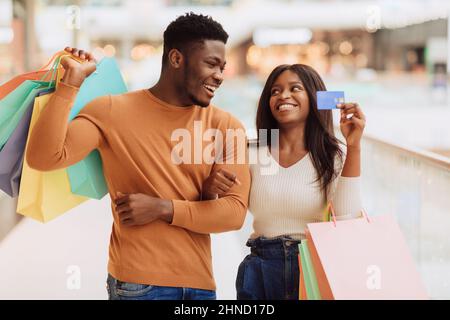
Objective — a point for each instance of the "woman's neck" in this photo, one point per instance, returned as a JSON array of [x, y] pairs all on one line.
[[292, 138]]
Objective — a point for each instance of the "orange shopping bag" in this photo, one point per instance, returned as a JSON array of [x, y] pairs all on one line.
[[12, 84]]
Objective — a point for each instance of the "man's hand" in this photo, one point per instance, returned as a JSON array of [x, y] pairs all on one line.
[[139, 209], [76, 72]]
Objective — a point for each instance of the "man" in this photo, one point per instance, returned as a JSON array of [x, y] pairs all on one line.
[[160, 242]]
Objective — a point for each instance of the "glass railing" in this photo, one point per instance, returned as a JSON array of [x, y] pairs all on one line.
[[414, 186]]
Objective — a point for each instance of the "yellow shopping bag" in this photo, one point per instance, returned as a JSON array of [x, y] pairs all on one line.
[[44, 196]]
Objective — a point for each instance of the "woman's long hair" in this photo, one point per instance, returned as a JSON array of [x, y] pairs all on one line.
[[320, 140]]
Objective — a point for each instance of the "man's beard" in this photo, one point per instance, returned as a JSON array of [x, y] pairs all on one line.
[[185, 89]]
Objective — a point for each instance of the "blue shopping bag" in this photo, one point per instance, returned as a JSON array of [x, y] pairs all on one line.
[[86, 177]]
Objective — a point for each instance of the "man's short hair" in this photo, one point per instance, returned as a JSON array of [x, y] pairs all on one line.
[[189, 29]]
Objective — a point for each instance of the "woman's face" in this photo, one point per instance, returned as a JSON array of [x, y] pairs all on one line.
[[289, 102]]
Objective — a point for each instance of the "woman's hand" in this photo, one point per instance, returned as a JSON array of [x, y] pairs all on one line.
[[352, 128], [76, 72], [218, 183]]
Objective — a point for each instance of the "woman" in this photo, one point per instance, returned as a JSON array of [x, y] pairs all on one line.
[[312, 170]]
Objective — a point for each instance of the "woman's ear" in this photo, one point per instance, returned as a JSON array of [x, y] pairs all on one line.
[[175, 58]]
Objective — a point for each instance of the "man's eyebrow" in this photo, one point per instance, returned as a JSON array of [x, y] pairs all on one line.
[[216, 59]]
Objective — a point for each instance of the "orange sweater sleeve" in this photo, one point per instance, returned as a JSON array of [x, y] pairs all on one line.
[[224, 214], [56, 143]]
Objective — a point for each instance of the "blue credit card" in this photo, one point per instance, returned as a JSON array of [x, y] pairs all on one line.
[[327, 100]]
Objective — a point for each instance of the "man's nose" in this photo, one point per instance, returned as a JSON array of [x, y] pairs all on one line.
[[218, 76]]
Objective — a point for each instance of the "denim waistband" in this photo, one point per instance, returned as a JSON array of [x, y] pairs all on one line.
[[273, 248]]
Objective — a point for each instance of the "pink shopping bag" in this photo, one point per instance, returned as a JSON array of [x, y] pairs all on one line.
[[363, 259]]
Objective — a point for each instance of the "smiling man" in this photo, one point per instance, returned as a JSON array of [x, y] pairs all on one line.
[[160, 242]]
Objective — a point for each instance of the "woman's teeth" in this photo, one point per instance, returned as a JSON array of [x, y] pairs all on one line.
[[285, 107]]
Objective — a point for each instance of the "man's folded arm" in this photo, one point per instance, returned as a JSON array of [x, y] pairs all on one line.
[[228, 212]]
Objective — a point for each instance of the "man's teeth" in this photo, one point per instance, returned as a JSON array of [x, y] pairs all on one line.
[[286, 107], [210, 88]]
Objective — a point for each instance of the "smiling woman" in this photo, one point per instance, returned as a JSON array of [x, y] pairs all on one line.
[[311, 172], [289, 100]]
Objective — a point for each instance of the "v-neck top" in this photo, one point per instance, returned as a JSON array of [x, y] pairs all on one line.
[[283, 200]]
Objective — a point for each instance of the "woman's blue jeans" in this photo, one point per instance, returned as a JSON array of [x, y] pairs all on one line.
[[270, 271]]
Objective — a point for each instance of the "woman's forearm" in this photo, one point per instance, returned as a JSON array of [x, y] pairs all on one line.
[[352, 164]]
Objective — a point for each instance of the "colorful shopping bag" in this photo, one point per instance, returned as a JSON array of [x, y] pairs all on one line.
[[12, 84], [11, 156], [310, 286], [44, 196], [14, 105], [86, 177], [42, 74], [363, 259], [302, 290]]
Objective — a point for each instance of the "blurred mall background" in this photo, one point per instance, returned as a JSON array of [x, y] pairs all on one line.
[[391, 56]]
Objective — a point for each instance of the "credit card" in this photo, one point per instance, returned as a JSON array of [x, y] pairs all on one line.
[[327, 100]]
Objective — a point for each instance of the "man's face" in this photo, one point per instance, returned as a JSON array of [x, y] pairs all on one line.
[[203, 71]]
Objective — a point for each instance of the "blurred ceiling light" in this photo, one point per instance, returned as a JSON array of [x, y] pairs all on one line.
[[6, 35], [109, 50], [313, 50], [142, 51], [99, 51], [254, 56], [264, 37], [361, 60], [324, 47], [345, 48], [318, 49]]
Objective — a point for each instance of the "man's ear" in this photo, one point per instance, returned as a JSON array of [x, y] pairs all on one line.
[[175, 58]]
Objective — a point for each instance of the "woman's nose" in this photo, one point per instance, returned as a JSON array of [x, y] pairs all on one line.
[[285, 94]]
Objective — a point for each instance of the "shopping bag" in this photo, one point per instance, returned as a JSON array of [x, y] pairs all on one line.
[[14, 105], [301, 285], [12, 84], [86, 177], [42, 74], [44, 196], [363, 258], [11, 155], [310, 286]]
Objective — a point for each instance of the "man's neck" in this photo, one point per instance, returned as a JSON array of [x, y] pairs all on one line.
[[167, 92]]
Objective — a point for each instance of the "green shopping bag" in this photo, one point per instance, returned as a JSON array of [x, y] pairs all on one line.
[[86, 177], [309, 276], [14, 105]]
